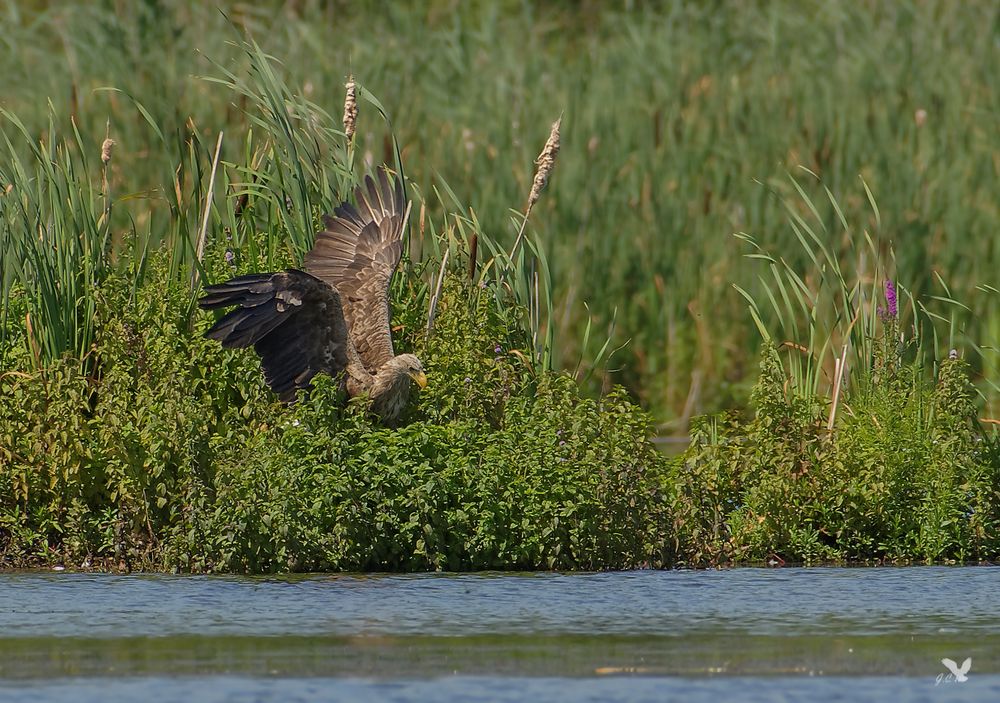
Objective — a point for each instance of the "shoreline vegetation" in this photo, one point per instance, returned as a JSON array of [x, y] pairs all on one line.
[[128, 441]]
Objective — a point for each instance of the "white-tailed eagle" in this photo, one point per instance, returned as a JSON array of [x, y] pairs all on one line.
[[333, 317]]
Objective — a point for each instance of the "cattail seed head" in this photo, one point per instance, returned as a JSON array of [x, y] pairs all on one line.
[[106, 148], [546, 161], [350, 109]]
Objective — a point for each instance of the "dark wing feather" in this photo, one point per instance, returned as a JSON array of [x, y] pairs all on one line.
[[357, 254], [293, 320]]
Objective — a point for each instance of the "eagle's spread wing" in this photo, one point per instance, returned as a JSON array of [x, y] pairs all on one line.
[[357, 254], [295, 322]]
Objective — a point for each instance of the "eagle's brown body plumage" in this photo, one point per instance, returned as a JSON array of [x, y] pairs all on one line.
[[333, 317]]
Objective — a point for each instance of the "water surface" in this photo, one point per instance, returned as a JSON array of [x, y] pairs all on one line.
[[754, 634]]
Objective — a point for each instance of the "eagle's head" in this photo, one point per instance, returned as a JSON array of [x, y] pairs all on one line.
[[391, 387], [410, 365]]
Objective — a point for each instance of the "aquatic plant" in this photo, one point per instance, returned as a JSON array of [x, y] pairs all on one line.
[[891, 308], [907, 475]]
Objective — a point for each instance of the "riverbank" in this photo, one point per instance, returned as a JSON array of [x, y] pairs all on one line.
[[157, 478]]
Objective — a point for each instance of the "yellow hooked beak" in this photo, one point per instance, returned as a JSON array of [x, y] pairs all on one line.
[[420, 378]]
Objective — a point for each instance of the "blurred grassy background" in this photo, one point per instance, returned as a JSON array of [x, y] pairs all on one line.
[[681, 123]]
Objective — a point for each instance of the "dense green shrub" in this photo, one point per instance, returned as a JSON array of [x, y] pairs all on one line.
[[174, 455], [906, 475], [328, 490]]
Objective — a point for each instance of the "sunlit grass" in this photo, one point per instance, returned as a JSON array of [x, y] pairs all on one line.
[[680, 126]]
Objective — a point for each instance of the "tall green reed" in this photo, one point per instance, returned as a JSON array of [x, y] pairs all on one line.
[[257, 206], [55, 237], [675, 111], [848, 311]]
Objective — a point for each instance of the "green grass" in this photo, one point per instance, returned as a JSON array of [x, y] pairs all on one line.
[[680, 125]]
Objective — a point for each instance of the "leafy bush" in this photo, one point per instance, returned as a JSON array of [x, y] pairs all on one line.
[[175, 456], [906, 475]]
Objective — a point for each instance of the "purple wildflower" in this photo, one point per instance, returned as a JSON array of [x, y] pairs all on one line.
[[230, 256], [891, 310], [497, 349]]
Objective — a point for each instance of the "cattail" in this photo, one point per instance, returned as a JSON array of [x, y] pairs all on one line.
[[350, 109], [473, 253], [546, 161], [106, 148]]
